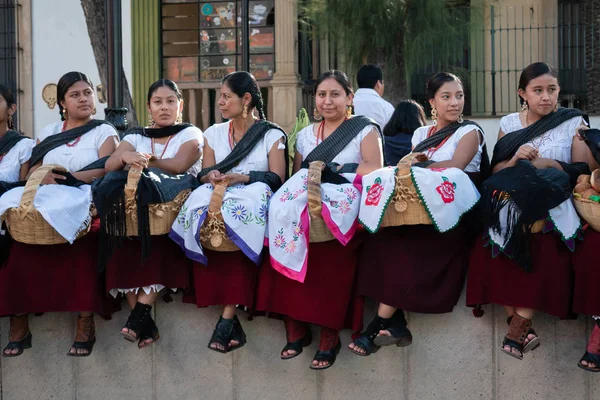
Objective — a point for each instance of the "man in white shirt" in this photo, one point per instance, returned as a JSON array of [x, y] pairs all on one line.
[[367, 99]]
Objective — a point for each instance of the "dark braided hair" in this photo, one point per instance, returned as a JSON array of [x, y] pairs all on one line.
[[10, 100], [242, 82], [64, 83]]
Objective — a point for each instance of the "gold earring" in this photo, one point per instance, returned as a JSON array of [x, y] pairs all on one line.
[[150, 120], [316, 115], [434, 116], [65, 114], [525, 106], [10, 122], [245, 112], [460, 119], [179, 119], [349, 111], [94, 111], [556, 107]]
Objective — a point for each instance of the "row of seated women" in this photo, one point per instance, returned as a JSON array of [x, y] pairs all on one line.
[[266, 215]]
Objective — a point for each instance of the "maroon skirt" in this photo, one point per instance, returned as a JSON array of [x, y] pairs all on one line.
[[415, 268], [166, 265], [586, 293], [53, 278], [229, 278], [547, 288], [327, 296]]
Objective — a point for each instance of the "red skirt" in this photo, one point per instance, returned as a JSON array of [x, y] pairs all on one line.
[[229, 278], [547, 288], [415, 268], [53, 278], [166, 265], [586, 293], [327, 296]]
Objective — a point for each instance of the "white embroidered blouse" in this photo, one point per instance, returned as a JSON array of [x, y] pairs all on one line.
[[10, 164], [307, 141]]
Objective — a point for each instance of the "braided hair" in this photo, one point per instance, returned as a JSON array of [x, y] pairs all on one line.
[[64, 83], [8, 95], [242, 82]]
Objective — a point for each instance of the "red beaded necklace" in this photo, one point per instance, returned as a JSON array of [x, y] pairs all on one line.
[[164, 149], [430, 152], [321, 131], [74, 143]]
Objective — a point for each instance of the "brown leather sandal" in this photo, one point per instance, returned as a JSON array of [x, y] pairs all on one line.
[[85, 338], [18, 324], [518, 330]]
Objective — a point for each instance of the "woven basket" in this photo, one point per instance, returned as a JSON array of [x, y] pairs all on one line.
[[319, 231], [406, 207], [212, 234], [590, 211], [161, 215], [25, 223]]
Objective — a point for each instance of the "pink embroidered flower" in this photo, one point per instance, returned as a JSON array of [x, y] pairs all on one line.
[[350, 193], [279, 241], [344, 207], [374, 193], [439, 169], [285, 196], [291, 247], [446, 190], [297, 193], [298, 230]]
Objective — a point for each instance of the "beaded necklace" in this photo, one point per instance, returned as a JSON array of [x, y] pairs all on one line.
[[64, 128], [164, 149]]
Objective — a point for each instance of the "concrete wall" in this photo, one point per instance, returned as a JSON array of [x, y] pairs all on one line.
[[453, 356]]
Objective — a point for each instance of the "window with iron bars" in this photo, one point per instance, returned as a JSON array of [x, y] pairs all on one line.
[[8, 45]]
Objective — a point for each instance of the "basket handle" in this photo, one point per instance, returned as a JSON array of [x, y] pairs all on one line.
[[133, 179], [32, 185], [407, 161], [216, 199], [315, 206]]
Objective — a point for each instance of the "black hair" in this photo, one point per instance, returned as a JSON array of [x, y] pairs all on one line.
[[368, 75], [242, 82], [407, 117], [64, 83], [164, 83], [437, 81], [340, 78], [533, 71], [7, 94]]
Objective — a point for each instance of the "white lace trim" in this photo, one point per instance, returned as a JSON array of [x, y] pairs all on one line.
[[147, 289], [596, 316]]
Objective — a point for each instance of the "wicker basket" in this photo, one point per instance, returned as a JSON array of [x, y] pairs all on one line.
[[212, 234], [25, 223], [161, 215], [590, 211], [406, 207], [319, 231]]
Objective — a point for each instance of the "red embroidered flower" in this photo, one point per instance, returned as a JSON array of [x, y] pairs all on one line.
[[446, 190], [439, 169], [374, 193]]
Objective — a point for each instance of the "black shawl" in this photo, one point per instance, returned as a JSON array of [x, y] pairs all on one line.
[[57, 140], [250, 139], [156, 133], [9, 140]]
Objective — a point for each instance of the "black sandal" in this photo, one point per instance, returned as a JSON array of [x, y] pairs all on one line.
[[85, 325], [590, 358], [237, 334], [136, 321], [19, 345], [396, 326], [328, 355], [149, 331], [222, 335], [297, 346], [365, 340]]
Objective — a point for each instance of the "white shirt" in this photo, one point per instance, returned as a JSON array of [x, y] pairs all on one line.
[[369, 103], [143, 144], [10, 165], [555, 144], [446, 152], [217, 137], [82, 151], [307, 141]]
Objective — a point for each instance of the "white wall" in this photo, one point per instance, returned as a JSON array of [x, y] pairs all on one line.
[[61, 44]]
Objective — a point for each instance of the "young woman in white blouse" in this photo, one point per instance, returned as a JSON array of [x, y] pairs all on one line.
[[397, 260], [62, 277], [175, 148]]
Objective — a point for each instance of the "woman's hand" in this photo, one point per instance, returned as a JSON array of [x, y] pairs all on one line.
[[526, 152], [215, 177], [134, 158], [581, 128], [235, 179], [51, 178]]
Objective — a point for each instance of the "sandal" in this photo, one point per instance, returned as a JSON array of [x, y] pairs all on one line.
[[533, 343], [293, 329], [365, 340], [592, 352], [517, 332], [329, 355], [396, 326], [222, 335], [85, 330], [237, 334], [149, 331], [135, 322], [22, 344]]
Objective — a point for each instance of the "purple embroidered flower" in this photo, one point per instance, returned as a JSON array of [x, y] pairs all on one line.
[[238, 212], [263, 212]]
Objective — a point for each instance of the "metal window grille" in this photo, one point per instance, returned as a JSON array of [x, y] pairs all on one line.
[[8, 44]]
